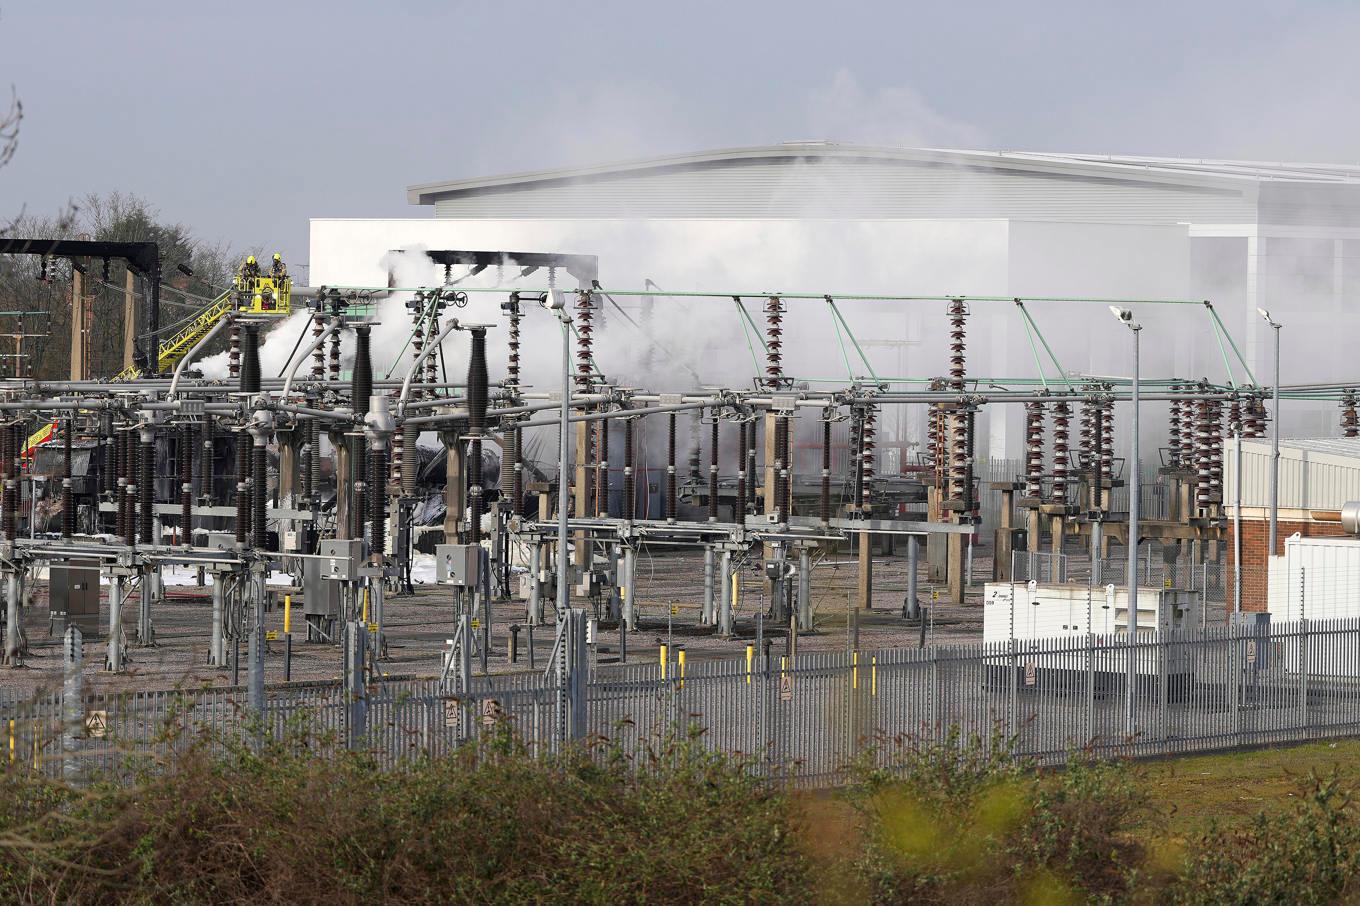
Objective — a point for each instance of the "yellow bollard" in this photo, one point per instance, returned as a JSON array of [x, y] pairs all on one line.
[[664, 654], [681, 657], [854, 670], [11, 740], [750, 657], [287, 614], [873, 675]]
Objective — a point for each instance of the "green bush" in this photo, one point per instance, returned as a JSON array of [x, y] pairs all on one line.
[[954, 823], [1311, 856], [486, 825], [962, 822]]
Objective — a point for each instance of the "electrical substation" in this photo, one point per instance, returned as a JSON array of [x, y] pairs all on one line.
[[393, 497]]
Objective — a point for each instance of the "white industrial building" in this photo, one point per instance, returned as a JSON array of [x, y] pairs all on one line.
[[844, 219], [1316, 474]]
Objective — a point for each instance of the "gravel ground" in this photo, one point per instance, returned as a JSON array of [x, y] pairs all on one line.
[[417, 627]]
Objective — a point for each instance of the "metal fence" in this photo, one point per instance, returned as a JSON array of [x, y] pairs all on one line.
[[802, 720], [1186, 572], [1154, 497]]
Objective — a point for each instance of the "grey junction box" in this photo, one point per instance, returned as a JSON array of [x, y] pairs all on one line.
[[457, 564], [341, 559]]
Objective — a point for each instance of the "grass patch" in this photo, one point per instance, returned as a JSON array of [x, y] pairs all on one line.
[[1232, 788]]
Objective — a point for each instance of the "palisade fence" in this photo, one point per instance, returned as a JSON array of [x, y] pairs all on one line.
[[801, 721]]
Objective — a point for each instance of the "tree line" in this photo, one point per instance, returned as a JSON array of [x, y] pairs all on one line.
[[36, 294]]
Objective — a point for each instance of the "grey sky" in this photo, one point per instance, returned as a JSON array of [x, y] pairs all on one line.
[[245, 119]]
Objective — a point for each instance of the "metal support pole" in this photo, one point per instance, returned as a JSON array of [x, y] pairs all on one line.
[[145, 634], [563, 588], [709, 610], [1237, 519], [779, 594], [114, 660], [912, 608], [627, 586], [13, 636], [217, 649], [804, 589], [1275, 448], [535, 609], [578, 669], [1132, 546], [356, 692], [255, 651], [484, 584], [726, 594]]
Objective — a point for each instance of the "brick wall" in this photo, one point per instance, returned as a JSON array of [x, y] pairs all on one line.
[[1255, 541]]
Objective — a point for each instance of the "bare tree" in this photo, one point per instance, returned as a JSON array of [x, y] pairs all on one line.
[[9, 127], [42, 288]]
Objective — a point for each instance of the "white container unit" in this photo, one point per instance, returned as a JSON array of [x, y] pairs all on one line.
[[1061, 610], [1316, 579], [1050, 623]]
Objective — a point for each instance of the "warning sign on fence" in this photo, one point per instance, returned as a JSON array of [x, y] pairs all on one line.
[[96, 724], [1031, 673], [1251, 651], [786, 688], [451, 713], [491, 712]]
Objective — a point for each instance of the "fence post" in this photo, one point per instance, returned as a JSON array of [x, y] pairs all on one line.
[[1303, 654], [934, 696], [356, 691], [1013, 688], [1090, 686], [1303, 679], [1237, 680], [1166, 639], [255, 669], [573, 672], [72, 701]]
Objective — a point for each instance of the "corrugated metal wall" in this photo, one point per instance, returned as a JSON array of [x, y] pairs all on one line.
[[1309, 478], [855, 189]]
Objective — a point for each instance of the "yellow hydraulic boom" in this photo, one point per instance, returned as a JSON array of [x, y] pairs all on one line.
[[251, 293]]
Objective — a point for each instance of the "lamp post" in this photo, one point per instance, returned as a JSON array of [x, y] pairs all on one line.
[[555, 302], [1274, 439], [1125, 317]]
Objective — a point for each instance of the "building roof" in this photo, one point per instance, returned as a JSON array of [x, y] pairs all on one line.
[[805, 180], [1164, 170], [1332, 446]]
